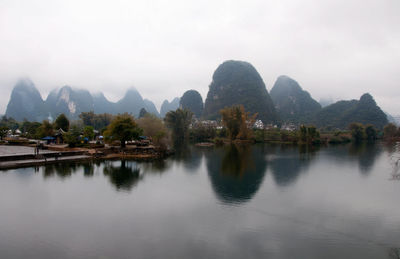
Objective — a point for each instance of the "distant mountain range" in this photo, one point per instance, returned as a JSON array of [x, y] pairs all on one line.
[[294, 105], [233, 83], [238, 82], [342, 113], [27, 103]]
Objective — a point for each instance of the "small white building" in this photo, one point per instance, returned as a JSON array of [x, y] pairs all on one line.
[[258, 124], [288, 127]]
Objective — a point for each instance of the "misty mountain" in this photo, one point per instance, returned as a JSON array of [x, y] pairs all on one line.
[[26, 102], [132, 102], [69, 101], [234, 82], [292, 103], [192, 101], [238, 82], [102, 105], [169, 106], [397, 120], [150, 107], [326, 101], [342, 113], [392, 119]]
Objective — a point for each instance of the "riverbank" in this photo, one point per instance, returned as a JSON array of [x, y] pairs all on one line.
[[12, 157]]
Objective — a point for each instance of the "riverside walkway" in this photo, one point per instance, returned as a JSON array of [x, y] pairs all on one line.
[[23, 156]]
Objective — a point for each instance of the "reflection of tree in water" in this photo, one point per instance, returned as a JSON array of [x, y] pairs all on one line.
[[236, 160], [123, 177], [366, 154], [188, 155], [236, 172], [307, 152], [65, 170], [290, 162], [62, 170], [158, 166], [88, 170]]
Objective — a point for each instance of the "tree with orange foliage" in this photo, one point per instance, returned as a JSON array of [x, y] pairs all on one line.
[[238, 122]]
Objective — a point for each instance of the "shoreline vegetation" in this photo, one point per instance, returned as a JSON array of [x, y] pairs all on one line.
[[106, 136]]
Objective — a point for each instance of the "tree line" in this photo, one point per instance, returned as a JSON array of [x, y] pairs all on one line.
[[179, 126]]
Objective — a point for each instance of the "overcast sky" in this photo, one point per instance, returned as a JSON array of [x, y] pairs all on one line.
[[333, 48]]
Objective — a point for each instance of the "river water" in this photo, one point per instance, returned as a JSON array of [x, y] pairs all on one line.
[[260, 201]]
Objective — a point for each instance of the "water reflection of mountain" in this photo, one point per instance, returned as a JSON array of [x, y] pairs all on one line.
[[288, 162], [156, 167], [365, 154], [236, 172], [123, 177]]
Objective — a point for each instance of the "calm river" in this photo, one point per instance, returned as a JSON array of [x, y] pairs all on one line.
[[257, 201]]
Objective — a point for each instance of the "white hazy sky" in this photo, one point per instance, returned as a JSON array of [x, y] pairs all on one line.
[[333, 48]]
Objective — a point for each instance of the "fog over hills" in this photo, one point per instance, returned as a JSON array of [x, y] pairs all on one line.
[[26, 103], [233, 83], [167, 106]]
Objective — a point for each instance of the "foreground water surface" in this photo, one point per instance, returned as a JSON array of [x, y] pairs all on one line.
[[257, 201]]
